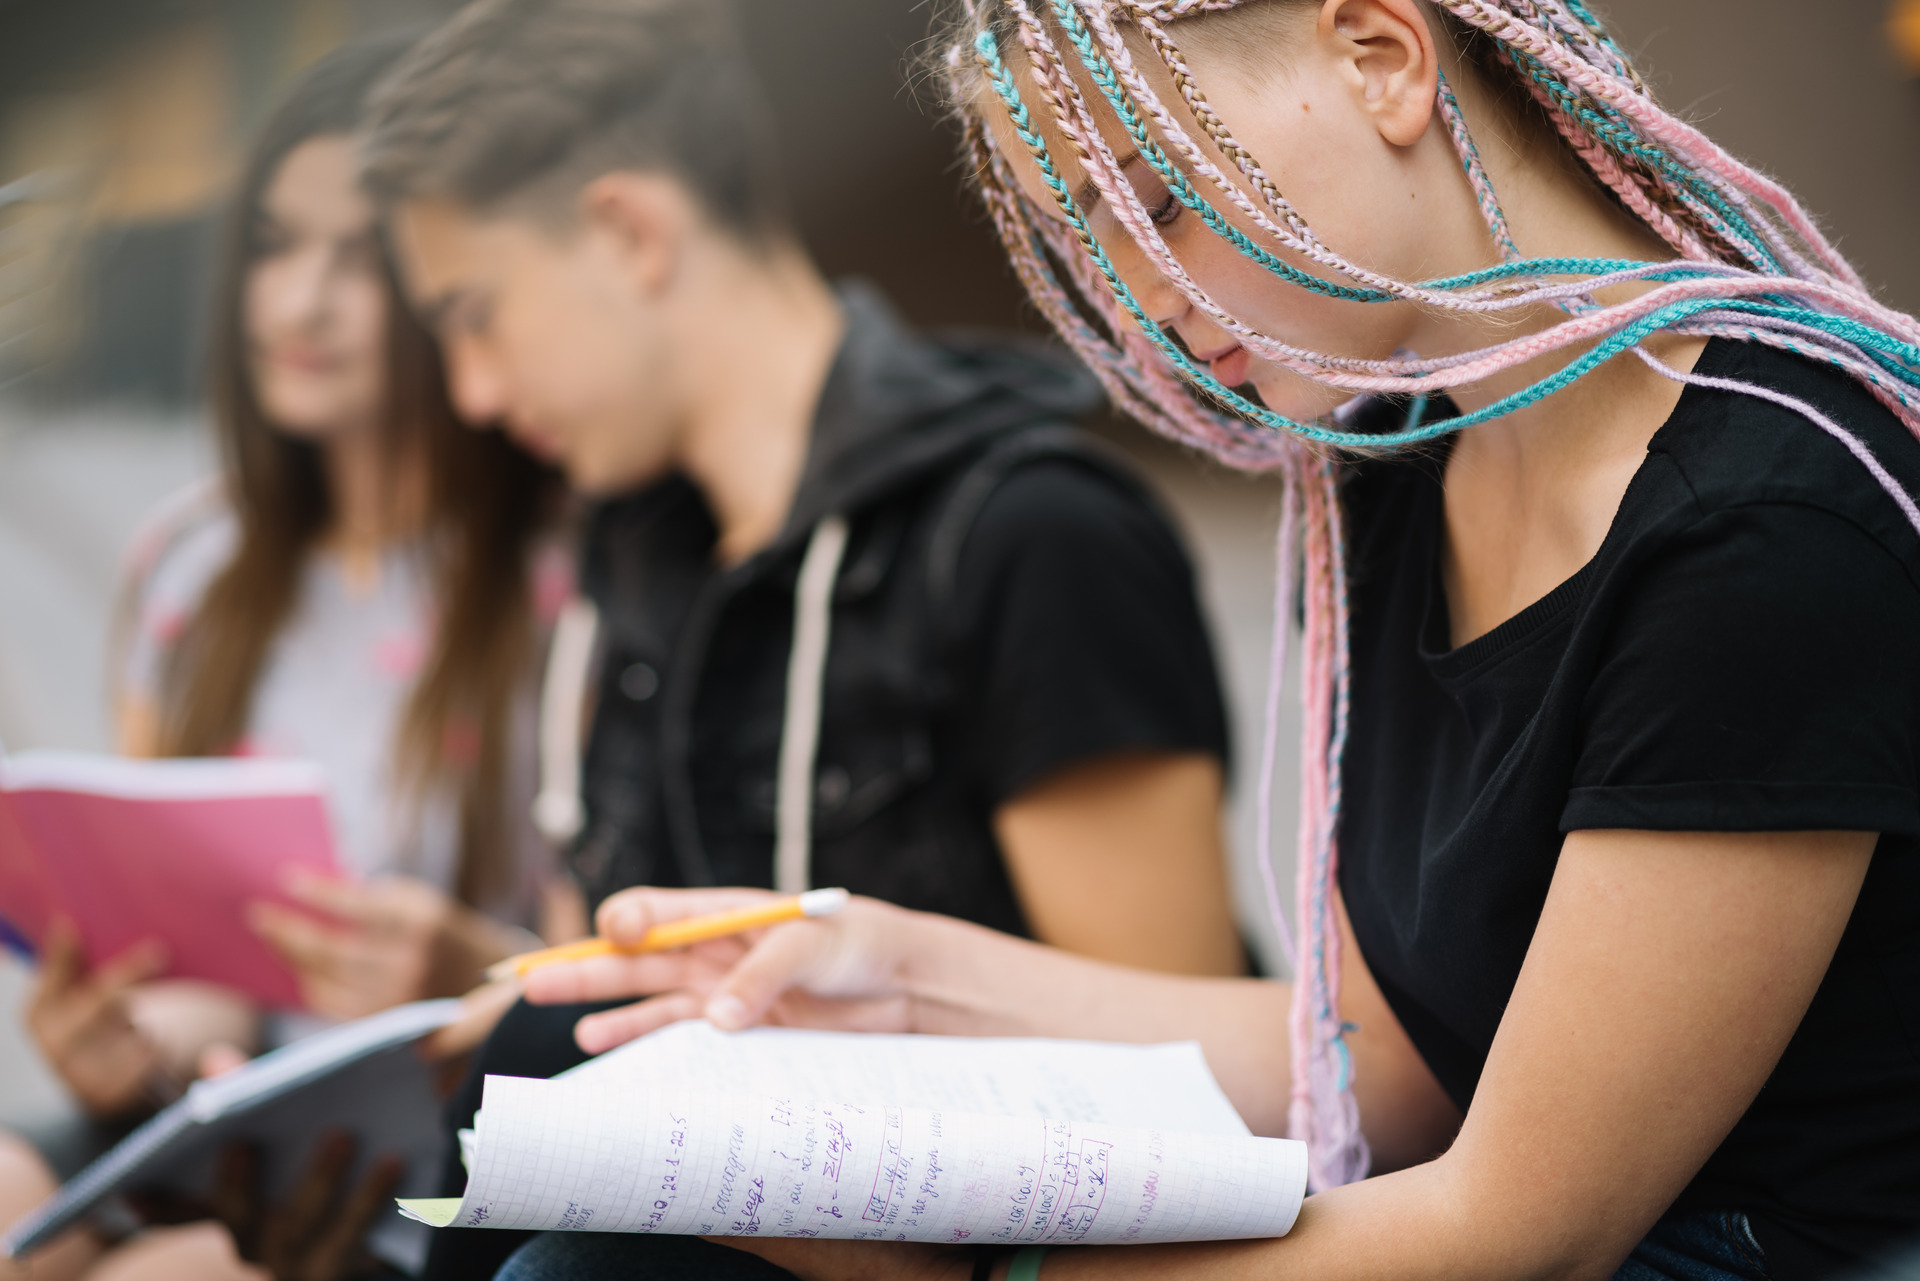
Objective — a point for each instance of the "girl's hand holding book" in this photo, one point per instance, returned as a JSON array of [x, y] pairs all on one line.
[[83, 1022], [369, 946]]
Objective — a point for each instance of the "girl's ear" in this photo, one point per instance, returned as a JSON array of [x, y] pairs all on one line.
[[1386, 53]]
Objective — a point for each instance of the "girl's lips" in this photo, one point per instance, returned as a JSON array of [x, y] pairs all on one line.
[[1230, 366], [304, 360]]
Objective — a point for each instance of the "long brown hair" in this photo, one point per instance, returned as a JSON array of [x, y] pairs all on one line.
[[487, 504]]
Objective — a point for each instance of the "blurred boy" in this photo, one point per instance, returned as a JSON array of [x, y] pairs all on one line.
[[824, 551]]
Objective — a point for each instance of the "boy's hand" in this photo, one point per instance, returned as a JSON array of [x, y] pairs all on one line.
[[83, 1024], [840, 971], [380, 944]]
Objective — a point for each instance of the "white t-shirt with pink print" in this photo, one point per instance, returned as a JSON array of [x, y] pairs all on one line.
[[334, 687]]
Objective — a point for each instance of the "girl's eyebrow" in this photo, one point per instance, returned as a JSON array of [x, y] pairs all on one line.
[[1087, 195]]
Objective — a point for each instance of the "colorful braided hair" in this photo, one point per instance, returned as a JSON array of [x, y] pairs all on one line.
[[1749, 265]]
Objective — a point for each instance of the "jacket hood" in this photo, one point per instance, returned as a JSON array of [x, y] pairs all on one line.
[[897, 405]]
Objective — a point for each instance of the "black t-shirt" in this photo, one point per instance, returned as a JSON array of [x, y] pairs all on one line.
[[1072, 632], [1078, 609], [1741, 654]]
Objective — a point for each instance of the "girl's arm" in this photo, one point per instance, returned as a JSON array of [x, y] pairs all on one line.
[[875, 967], [1121, 858], [1667, 974]]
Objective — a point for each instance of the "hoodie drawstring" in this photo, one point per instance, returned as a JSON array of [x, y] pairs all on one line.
[[806, 680], [558, 811]]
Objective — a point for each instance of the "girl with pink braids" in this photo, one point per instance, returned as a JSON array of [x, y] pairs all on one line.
[[1599, 466]]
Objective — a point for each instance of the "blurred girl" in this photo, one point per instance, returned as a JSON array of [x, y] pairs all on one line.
[[364, 588]]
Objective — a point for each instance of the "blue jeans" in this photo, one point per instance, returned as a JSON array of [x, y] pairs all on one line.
[[1699, 1245]]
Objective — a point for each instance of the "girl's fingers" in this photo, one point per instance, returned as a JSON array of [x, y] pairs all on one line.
[[236, 1201], [61, 963], [338, 1249], [605, 978], [598, 1033], [144, 960], [626, 917], [783, 958], [219, 1059], [292, 1227], [344, 899], [480, 1012], [302, 941]]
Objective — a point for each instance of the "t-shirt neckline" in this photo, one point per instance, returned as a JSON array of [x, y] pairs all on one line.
[[1450, 664]]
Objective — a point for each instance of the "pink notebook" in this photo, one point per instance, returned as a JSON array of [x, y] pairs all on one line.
[[171, 849]]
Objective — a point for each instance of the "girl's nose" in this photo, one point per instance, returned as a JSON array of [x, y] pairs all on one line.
[[1158, 298]]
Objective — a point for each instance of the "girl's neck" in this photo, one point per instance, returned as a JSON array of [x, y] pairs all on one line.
[[379, 498], [1531, 495]]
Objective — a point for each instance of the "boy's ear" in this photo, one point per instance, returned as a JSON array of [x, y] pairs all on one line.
[[644, 218], [1386, 52]]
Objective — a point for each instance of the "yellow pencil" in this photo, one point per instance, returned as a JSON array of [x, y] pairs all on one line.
[[671, 934]]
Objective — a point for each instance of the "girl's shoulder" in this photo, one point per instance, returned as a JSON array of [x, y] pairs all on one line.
[[176, 552], [1808, 438]]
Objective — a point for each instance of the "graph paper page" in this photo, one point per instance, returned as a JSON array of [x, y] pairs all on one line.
[[1166, 1086], [641, 1151]]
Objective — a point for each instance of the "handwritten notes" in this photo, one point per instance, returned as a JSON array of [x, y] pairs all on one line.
[[952, 1140]]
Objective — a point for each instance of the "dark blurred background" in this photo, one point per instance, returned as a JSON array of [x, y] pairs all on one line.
[[121, 122]]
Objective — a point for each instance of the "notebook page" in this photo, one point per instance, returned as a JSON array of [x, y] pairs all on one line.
[[556, 1155], [1167, 1086]]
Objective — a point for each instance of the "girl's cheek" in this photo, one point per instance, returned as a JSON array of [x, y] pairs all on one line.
[[1292, 396]]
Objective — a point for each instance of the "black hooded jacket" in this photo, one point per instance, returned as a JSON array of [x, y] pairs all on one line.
[[1010, 602]]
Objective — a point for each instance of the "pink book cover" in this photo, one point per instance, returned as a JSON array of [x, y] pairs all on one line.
[[172, 849]]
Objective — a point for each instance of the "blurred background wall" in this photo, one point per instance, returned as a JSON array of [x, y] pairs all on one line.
[[121, 122]]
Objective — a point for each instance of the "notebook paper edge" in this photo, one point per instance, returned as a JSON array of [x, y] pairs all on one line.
[[435, 1212]]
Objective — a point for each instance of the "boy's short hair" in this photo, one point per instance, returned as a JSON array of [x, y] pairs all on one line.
[[522, 102]]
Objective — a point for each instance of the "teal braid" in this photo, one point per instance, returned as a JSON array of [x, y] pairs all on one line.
[[1608, 125], [987, 48], [1102, 72], [1177, 181]]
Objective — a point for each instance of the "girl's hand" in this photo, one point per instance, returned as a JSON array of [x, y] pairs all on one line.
[[319, 1232], [844, 971], [378, 944], [84, 1026]]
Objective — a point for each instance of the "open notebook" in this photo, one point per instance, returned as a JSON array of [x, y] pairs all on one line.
[[363, 1077], [901, 1138]]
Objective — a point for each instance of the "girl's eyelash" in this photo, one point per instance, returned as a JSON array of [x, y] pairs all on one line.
[[1166, 211]]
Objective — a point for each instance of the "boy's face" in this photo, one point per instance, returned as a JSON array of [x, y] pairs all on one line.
[[549, 335]]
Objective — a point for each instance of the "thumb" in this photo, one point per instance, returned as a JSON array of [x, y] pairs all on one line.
[[220, 1058], [783, 959]]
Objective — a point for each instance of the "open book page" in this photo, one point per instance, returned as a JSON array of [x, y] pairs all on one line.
[[171, 850], [1167, 1086], [1083, 1156]]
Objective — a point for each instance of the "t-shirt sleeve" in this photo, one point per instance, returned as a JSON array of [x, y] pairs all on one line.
[[1761, 676], [1084, 627], [168, 571]]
